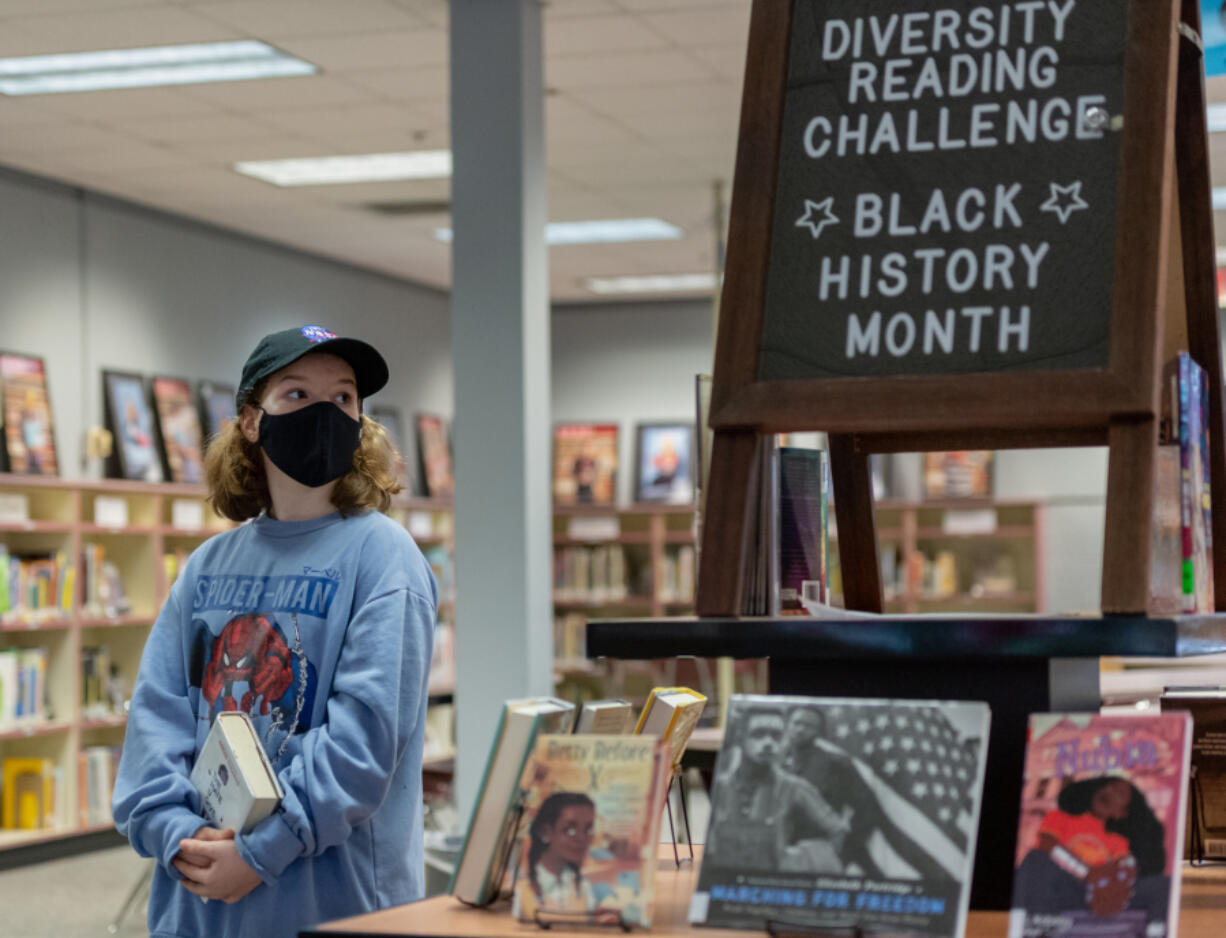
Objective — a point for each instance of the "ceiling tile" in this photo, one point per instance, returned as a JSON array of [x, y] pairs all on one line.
[[728, 61], [379, 140], [629, 68], [126, 103], [272, 20], [125, 28], [327, 122], [403, 84], [218, 126], [601, 34], [273, 94], [401, 49], [712, 25], [265, 146], [56, 138], [570, 9]]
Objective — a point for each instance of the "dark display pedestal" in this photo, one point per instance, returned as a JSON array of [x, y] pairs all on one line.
[[1018, 664]]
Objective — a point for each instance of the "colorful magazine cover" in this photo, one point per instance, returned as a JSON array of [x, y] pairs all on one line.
[[592, 821], [28, 440], [844, 814], [1100, 836], [585, 464]]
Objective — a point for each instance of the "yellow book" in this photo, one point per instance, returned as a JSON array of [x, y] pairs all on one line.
[[671, 713], [28, 793]]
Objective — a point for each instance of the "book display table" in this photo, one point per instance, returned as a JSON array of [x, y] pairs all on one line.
[[1202, 908], [1018, 664]]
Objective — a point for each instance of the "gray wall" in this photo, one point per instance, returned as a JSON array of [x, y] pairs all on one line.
[[630, 363], [90, 283]]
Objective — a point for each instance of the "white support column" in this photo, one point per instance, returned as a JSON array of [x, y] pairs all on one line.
[[500, 350]]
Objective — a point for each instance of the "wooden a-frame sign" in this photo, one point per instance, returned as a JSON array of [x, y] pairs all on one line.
[[955, 226]]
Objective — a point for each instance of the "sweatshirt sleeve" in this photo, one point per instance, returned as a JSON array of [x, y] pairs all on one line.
[[345, 767], [154, 802]]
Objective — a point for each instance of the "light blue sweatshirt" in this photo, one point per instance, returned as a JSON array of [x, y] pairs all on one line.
[[322, 631]]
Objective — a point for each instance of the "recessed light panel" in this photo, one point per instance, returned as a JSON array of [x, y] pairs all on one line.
[[366, 167], [599, 231], [658, 283], [143, 68]]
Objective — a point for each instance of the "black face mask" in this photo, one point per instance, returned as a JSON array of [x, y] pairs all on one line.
[[314, 445]]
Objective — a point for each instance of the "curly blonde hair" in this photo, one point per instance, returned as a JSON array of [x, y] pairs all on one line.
[[238, 485]]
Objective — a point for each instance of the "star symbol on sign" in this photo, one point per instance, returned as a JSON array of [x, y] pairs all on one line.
[[1064, 200], [817, 216]]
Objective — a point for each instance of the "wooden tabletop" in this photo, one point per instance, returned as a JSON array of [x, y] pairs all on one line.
[[1202, 914]]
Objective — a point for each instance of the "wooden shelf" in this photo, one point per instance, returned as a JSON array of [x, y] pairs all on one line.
[[32, 730], [36, 625], [35, 527], [104, 723]]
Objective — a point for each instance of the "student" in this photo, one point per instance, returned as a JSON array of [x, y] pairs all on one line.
[[315, 617]]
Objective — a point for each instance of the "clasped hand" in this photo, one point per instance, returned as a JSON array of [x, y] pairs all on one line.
[[212, 867]]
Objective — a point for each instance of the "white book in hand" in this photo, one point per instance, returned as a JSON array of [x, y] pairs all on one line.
[[237, 785]]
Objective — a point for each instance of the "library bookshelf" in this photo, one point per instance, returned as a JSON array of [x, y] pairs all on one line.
[[144, 530], [973, 555]]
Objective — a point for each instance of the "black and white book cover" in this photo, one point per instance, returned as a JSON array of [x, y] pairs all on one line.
[[841, 812]]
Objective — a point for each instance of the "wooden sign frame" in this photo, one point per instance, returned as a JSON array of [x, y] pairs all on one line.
[[1164, 292]]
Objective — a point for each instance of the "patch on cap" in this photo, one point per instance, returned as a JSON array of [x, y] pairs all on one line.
[[317, 334]]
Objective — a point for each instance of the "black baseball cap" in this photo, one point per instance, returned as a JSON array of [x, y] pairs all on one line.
[[279, 349]]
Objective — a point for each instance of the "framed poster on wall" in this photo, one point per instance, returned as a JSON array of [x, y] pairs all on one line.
[[179, 429], [585, 463], [130, 420], [434, 456], [216, 407], [389, 418], [664, 463], [28, 442]]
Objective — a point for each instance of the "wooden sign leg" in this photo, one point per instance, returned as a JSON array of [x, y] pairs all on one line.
[[1128, 539], [1199, 265], [853, 508], [734, 458]]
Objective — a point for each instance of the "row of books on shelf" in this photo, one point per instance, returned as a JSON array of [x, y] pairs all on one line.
[[104, 690], [675, 575], [595, 574], [943, 574], [847, 814], [34, 796], [23, 686], [39, 587]]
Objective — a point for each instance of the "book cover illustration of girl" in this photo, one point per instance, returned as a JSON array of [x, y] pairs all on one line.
[[591, 823], [1099, 844]]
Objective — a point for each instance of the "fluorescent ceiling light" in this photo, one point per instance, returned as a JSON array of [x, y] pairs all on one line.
[[142, 68], [600, 231], [661, 283], [368, 167], [1219, 199]]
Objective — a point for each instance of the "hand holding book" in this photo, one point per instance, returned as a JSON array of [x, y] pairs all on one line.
[[212, 867]]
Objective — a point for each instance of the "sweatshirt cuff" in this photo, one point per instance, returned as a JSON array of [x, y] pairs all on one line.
[[165, 835], [270, 848]]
